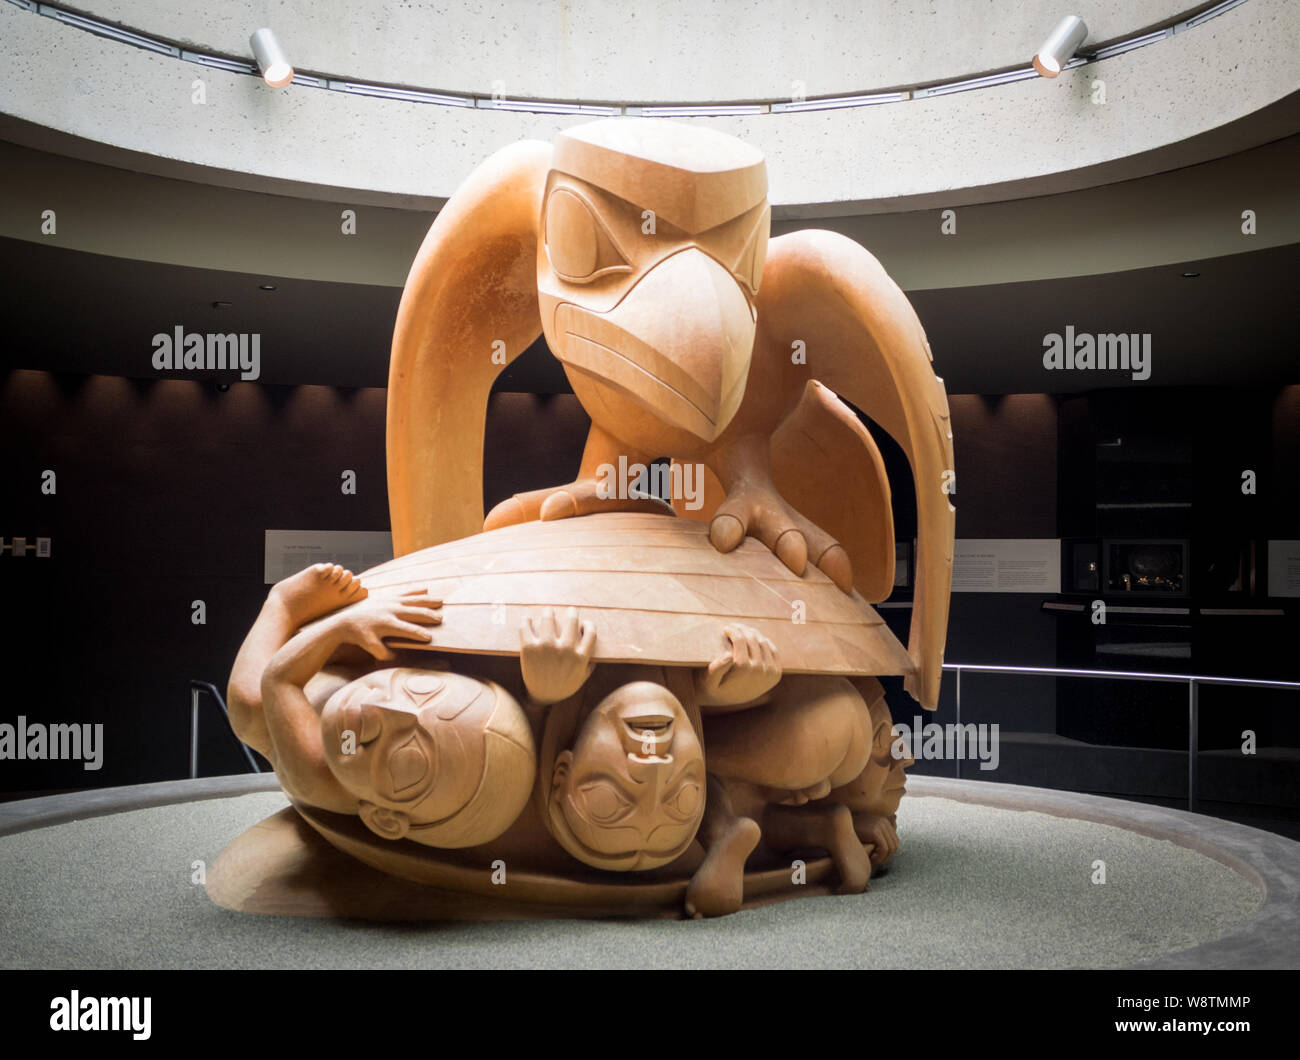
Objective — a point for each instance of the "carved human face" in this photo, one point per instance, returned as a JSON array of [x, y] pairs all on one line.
[[879, 788], [396, 739], [630, 793]]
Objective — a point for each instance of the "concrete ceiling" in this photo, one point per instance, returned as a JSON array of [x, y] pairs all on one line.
[[1192, 96], [71, 311], [654, 51]]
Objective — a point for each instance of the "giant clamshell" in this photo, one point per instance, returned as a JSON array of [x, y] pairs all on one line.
[[657, 591]]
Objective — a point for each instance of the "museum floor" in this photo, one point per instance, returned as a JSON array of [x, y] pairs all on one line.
[[977, 884]]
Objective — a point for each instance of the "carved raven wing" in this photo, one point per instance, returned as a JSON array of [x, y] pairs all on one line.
[[469, 307], [862, 339]]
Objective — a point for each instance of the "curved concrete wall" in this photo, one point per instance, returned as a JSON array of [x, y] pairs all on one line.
[[662, 51], [1185, 215], [1027, 138]]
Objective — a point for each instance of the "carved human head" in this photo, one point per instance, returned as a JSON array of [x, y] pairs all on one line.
[[439, 758], [629, 793], [878, 789]]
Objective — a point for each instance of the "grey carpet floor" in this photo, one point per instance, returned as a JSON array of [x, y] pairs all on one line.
[[972, 887]]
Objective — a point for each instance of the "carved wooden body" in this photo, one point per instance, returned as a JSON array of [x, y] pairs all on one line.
[[583, 703], [651, 580], [640, 249]]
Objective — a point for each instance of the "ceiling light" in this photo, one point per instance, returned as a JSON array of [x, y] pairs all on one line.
[[276, 69], [1060, 46]]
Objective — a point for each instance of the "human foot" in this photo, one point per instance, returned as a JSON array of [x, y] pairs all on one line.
[[852, 859], [828, 825], [718, 886], [317, 590]]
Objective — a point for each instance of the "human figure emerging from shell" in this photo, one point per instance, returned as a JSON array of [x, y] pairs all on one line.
[[448, 760], [638, 709]]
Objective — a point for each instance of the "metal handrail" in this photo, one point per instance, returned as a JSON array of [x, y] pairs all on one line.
[[197, 688], [1193, 682]]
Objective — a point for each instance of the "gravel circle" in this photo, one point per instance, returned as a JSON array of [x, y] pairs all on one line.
[[971, 887]]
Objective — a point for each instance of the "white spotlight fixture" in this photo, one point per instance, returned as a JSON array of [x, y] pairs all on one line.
[[1060, 46], [276, 69]]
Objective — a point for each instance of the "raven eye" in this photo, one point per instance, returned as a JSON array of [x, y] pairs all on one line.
[[576, 242]]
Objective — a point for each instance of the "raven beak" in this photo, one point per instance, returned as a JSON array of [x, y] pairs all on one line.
[[678, 343]]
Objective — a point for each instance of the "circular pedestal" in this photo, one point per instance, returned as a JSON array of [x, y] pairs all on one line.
[[988, 875]]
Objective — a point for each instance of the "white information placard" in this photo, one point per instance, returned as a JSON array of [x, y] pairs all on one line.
[[1007, 565], [1284, 568], [288, 551]]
